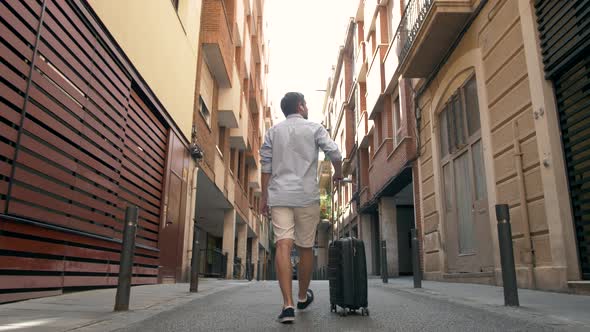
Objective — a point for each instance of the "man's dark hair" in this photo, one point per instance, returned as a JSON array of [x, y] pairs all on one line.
[[290, 102]]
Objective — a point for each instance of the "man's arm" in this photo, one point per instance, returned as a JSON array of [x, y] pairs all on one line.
[[330, 148], [266, 170], [264, 194]]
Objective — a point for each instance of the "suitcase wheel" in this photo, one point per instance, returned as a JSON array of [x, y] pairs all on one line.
[[364, 311], [333, 307]]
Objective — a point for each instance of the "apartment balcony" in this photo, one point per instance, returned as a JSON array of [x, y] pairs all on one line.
[[253, 145], [360, 64], [375, 80], [218, 46], [229, 104], [254, 178], [255, 100], [238, 137], [231, 189], [239, 24], [362, 130], [369, 11], [427, 31]]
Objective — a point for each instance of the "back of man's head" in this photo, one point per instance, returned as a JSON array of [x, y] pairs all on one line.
[[290, 102]]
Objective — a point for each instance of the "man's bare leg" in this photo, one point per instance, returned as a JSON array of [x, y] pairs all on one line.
[[305, 268], [285, 270]]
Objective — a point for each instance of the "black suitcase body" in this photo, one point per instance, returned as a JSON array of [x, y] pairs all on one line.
[[347, 274]]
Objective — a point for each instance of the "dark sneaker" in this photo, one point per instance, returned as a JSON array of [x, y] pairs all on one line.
[[287, 316], [304, 305]]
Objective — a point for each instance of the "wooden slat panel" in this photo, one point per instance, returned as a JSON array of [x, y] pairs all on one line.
[[145, 206], [12, 97], [81, 42], [144, 281], [59, 186], [146, 145], [78, 75], [130, 191], [8, 132], [117, 112], [132, 156], [60, 40], [78, 281], [71, 94], [28, 263], [103, 59], [9, 75], [5, 169], [24, 12], [65, 176], [146, 178], [29, 211], [140, 182], [17, 24], [10, 226], [154, 227], [72, 266], [143, 136], [145, 242], [114, 125], [32, 246], [149, 121], [8, 282], [64, 146]]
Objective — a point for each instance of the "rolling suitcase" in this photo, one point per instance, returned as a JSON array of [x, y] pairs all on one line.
[[347, 274]]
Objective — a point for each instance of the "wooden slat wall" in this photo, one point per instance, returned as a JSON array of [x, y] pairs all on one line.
[[89, 146]]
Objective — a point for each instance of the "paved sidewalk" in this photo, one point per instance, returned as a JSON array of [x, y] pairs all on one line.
[[549, 305], [93, 310]]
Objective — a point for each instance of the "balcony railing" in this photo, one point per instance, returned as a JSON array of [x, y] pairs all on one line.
[[426, 32], [410, 24]]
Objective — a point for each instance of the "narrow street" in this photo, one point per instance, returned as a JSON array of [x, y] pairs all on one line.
[[255, 307]]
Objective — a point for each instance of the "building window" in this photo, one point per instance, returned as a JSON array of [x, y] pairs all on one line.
[[465, 196], [204, 111]]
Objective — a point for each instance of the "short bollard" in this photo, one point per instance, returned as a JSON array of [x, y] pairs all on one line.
[[258, 270], [507, 255], [194, 287], [126, 264], [384, 275], [416, 259]]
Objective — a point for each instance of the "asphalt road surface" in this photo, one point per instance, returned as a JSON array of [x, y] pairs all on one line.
[[255, 308]]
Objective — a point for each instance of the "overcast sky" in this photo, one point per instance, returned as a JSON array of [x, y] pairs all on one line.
[[304, 39]]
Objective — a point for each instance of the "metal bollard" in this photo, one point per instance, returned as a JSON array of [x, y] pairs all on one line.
[[416, 259], [194, 286], [258, 270], [384, 275], [224, 263], [126, 264], [507, 256]]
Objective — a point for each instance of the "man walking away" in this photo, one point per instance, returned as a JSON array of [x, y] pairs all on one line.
[[289, 158]]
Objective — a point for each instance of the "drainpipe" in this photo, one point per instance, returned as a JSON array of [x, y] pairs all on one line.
[[529, 260], [194, 270]]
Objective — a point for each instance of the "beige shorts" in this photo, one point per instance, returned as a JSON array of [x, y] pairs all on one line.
[[297, 223]]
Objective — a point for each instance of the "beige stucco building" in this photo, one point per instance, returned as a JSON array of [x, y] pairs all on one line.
[[488, 135]]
